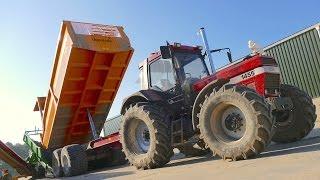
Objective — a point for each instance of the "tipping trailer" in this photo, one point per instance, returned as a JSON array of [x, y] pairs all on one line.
[[90, 62]]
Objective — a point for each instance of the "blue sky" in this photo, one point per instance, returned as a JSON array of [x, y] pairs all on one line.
[[29, 31]]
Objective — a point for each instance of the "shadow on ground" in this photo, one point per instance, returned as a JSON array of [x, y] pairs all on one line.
[[308, 144], [187, 161]]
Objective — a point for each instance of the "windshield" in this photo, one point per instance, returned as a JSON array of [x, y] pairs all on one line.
[[192, 65]]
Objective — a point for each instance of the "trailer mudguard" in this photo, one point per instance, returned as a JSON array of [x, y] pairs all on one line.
[[216, 84]]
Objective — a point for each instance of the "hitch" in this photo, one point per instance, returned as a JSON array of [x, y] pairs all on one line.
[[92, 127]]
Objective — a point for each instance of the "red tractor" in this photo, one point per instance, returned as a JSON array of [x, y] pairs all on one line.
[[234, 112]]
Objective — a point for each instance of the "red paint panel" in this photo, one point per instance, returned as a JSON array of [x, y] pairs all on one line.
[[112, 140], [237, 69]]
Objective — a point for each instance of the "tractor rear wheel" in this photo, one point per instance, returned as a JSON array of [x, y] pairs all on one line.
[[235, 122], [74, 160], [145, 136], [293, 125]]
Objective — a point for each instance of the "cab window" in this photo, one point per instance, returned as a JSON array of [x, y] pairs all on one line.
[[162, 75]]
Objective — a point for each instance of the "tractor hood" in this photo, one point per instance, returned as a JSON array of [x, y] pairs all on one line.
[[235, 69]]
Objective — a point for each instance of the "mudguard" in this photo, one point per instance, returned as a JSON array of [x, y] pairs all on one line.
[[149, 95], [218, 83]]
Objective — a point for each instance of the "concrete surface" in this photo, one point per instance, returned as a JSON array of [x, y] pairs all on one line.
[[299, 160]]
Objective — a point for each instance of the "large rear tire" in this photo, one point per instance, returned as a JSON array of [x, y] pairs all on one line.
[[235, 122], [56, 163], [293, 125], [74, 160], [145, 136]]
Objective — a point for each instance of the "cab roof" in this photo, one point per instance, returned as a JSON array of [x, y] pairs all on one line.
[[176, 46]]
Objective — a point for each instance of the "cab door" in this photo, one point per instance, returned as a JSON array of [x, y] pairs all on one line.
[[163, 78]]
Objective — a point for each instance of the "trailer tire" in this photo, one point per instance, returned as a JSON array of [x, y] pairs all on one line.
[[298, 122], [118, 157], [155, 119], [74, 160], [235, 122], [39, 171], [56, 163]]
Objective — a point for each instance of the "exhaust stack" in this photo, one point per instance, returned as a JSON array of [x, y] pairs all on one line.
[[206, 46]]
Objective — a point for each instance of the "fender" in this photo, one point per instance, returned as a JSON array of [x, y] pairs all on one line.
[[149, 95], [216, 84]]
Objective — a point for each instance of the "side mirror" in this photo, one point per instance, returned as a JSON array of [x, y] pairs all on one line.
[[228, 53], [229, 56], [165, 52]]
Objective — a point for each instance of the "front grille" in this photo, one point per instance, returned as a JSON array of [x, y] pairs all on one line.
[[272, 83]]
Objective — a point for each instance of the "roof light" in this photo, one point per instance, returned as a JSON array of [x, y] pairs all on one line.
[[200, 47]]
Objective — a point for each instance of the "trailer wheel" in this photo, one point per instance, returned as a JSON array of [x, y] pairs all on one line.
[[56, 163], [293, 125], [235, 122], [39, 171], [73, 160], [118, 157], [145, 136]]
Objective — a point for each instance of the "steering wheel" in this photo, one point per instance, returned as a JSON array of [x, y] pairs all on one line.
[[155, 87]]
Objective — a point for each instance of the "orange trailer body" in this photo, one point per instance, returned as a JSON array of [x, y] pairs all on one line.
[[89, 65]]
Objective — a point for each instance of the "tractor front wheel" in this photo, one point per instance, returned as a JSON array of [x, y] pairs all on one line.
[[235, 122]]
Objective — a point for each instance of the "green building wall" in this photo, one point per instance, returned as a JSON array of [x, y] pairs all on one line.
[[298, 57], [112, 125]]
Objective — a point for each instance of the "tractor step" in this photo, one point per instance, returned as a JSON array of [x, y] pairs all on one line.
[[177, 132]]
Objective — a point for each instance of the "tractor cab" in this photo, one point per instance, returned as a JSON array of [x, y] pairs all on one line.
[[173, 69]]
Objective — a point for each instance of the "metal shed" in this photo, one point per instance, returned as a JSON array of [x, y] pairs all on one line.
[[112, 125], [298, 57]]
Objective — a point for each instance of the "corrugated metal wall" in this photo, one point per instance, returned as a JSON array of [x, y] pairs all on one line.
[[112, 125], [299, 61]]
